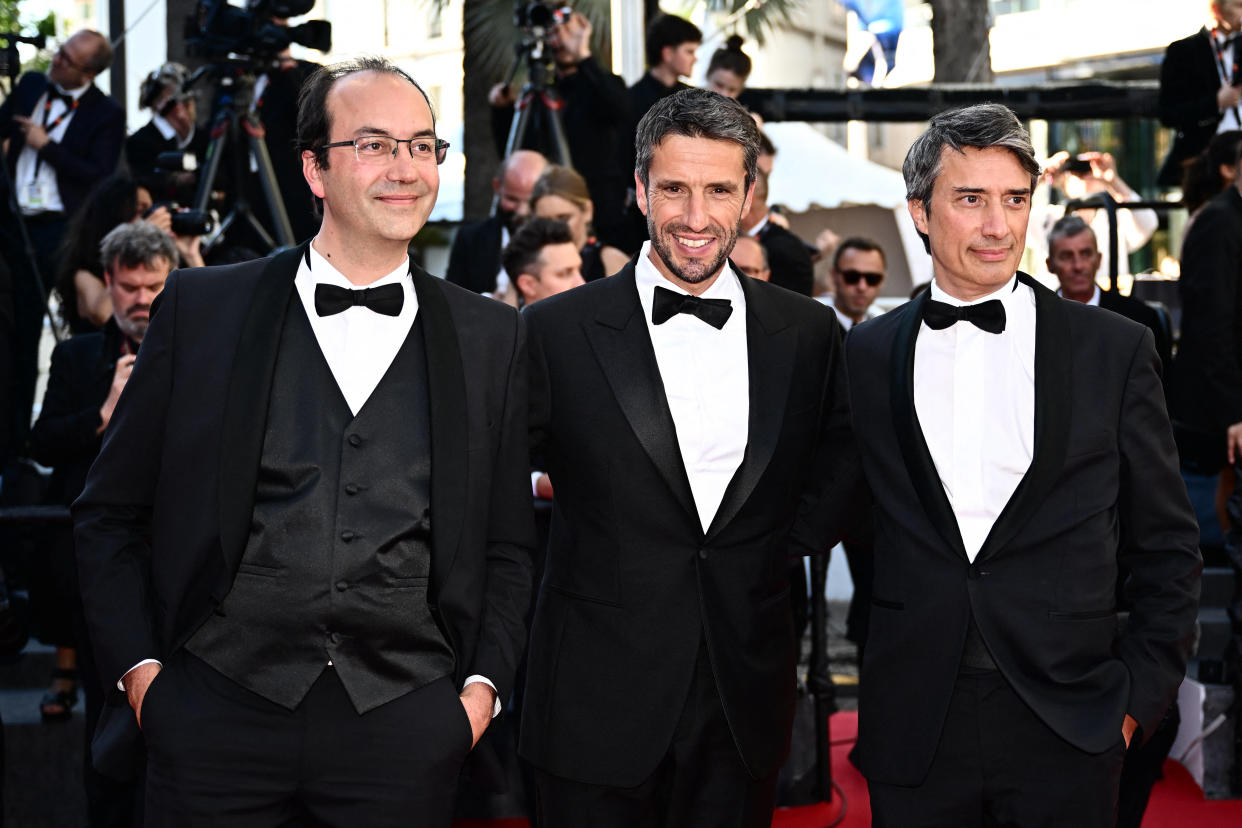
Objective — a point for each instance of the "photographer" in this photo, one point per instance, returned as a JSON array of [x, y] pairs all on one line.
[[1201, 87], [63, 135], [87, 377], [172, 128], [1078, 177], [595, 115], [85, 302]]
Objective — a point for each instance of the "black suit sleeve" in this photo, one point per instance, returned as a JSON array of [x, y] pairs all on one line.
[[836, 495], [66, 428], [1159, 545], [113, 516], [510, 535], [1210, 271]]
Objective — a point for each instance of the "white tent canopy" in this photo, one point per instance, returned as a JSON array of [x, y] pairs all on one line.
[[815, 175]]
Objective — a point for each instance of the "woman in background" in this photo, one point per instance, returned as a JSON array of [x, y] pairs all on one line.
[[561, 194]]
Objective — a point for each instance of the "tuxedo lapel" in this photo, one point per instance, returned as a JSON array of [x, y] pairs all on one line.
[[1053, 365], [771, 345], [245, 407], [622, 344], [446, 386], [918, 460]]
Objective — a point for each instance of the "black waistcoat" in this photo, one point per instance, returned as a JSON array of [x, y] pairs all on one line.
[[337, 564]]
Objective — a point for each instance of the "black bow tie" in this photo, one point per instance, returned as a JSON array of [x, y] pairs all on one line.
[[986, 316], [386, 299], [669, 303], [54, 94]]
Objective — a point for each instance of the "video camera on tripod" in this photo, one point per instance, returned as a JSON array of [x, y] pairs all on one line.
[[537, 21], [219, 30], [242, 43]]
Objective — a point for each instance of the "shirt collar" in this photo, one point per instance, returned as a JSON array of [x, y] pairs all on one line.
[[166, 129], [647, 277], [76, 94], [1004, 293], [320, 270], [1095, 296], [758, 228]]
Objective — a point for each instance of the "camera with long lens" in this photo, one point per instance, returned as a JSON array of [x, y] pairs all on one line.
[[536, 20], [217, 29]]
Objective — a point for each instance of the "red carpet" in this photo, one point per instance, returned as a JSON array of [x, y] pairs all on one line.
[[1176, 801]]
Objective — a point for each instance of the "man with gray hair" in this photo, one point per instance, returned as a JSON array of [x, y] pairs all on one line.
[[693, 423], [1074, 258], [1011, 479]]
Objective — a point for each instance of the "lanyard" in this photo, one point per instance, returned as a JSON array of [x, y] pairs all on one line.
[[1226, 72], [47, 111]]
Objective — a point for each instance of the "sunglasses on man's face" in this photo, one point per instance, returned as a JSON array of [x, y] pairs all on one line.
[[851, 277]]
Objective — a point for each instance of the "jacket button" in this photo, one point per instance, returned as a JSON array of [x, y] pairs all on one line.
[[355, 440], [341, 586], [348, 536], [351, 489], [703, 554], [334, 638]]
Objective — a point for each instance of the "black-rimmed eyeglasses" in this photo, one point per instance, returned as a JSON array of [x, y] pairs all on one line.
[[382, 149]]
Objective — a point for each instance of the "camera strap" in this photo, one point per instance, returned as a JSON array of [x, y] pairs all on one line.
[[71, 104]]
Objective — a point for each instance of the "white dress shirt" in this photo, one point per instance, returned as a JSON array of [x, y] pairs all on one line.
[[1224, 67], [974, 393], [706, 381], [169, 132], [357, 343], [37, 192]]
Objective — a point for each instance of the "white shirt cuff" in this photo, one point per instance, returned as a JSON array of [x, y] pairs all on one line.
[[476, 679], [120, 684], [534, 482]]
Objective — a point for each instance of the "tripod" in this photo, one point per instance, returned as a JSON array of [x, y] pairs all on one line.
[[537, 97], [235, 122]]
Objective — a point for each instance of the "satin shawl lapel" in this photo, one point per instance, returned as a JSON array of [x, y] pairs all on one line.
[[245, 407], [918, 459], [1052, 418], [771, 346], [622, 344], [446, 381]]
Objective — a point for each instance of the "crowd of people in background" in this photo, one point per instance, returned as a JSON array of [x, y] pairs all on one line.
[[98, 237]]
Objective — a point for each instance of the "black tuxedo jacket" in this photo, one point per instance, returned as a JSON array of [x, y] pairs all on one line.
[[789, 259], [1144, 314], [474, 259], [164, 519], [632, 584], [1189, 82], [91, 146], [1103, 487], [1206, 391]]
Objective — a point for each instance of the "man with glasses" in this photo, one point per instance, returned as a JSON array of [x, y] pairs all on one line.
[[857, 273], [64, 135], [308, 532]]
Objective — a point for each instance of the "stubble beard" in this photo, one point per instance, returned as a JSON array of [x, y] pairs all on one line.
[[696, 272]]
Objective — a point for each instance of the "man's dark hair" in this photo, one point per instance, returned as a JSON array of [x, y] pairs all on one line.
[[137, 244], [528, 242], [669, 30], [981, 126], [1066, 227], [314, 121], [696, 113], [731, 58], [858, 243], [766, 147]]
